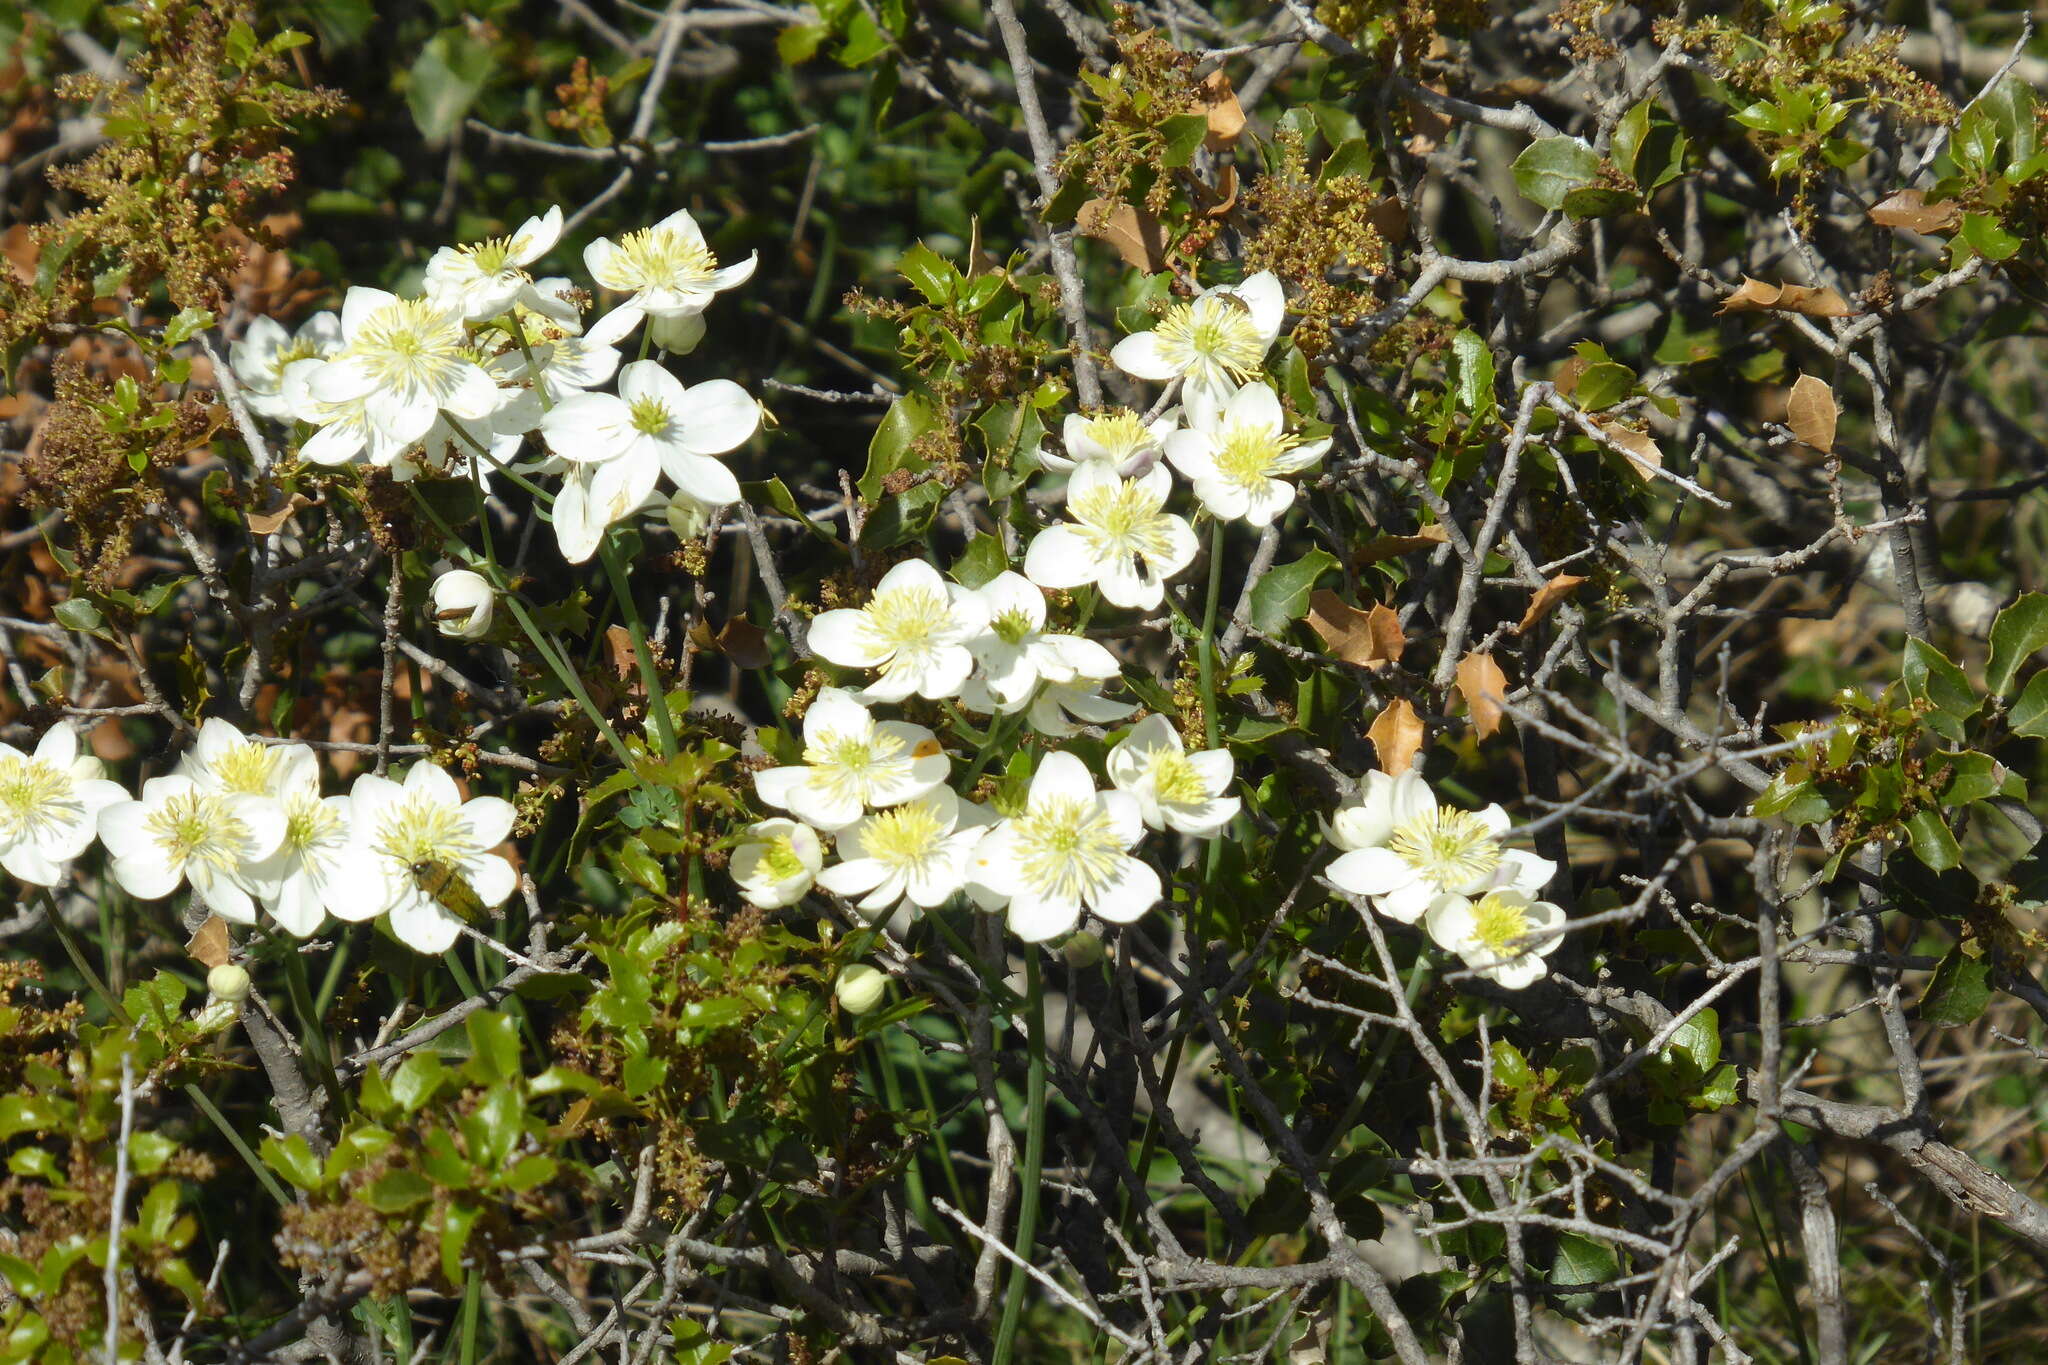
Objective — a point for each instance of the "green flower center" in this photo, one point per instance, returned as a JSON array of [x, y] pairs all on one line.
[[34, 795], [1246, 455], [1012, 627], [909, 620], [308, 822], [419, 829], [1499, 923], [780, 860], [655, 257], [1068, 848], [904, 837], [1451, 848], [198, 827], [1212, 333], [650, 417], [491, 257], [247, 767], [1123, 520], [1174, 779], [410, 341], [1122, 433]]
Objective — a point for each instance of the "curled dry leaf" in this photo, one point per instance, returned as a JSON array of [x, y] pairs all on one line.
[[1371, 638], [745, 644], [1811, 413], [1756, 296], [1642, 451], [1226, 115], [1910, 210], [1392, 547], [1223, 192], [1137, 236], [1484, 687], [208, 945], [268, 523], [1397, 736], [1545, 599]]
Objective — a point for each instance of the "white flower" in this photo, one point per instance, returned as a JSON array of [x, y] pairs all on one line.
[[687, 516], [655, 424], [915, 630], [1493, 934], [778, 862], [860, 988], [420, 834], [448, 451], [1122, 539], [1174, 789], [1404, 850], [1055, 710], [223, 759], [266, 352], [50, 804], [463, 604], [853, 762], [667, 269], [482, 280], [1067, 851], [914, 853], [1215, 341], [317, 867], [405, 360], [593, 498], [1015, 652], [1118, 437], [1235, 455], [180, 832]]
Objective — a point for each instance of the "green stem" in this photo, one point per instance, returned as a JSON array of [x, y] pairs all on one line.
[[1208, 640], [1034, 1159], [657, 695], [316, 1033]]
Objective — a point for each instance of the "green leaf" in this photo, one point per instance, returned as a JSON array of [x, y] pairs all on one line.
[[416, 1080], [909, 417], [1628, 137], [76, 613], [1699, 1040], [1598, 201], [293, 1159], [1581, 1260], [2019, 631], [1988, 237], [529, 1172], [1183, 134], [1603, 385], [397, 1191], [929, 273], [1282, 595], [1474, 371], [1958, 990], [2009, 107], [455, 1226], [445, 80], [493, 1047], [2029, 715], [494, 1128], [981, 562], [798, 43], [775, 493], [1012, 434], [1353, 156], [1551, 168], [1933, 843], [1930, 676], [189, 323], [1967, 777]]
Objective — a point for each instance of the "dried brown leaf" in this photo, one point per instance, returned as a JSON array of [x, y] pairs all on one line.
[[209, 945], [745, 644], [1484, 687], [1397, 736], [1224, 192], [1757, 296], [1137, 236], [1910, 210], [618, 643], [1371, 638], [1811, 412], [1392, 547], [268, 523], [1226, 115], [1545, 599], [1641, 450]]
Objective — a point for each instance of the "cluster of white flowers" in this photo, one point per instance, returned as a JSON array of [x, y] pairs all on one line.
[[903, 838], [243, 822], [456, 379], [1415, 859]]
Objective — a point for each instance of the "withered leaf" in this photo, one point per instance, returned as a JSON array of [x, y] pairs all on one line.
[[1226, 115], [1811, 412], [1392, 547], [1910, 210], [1545, 599], [1224, 191], [267, 523], [1641, 450], [1137, 236], [1371, 638], [745, 644], [1483, 687], [618, 642], [1757, 296], [209, 945], [1397, 737]]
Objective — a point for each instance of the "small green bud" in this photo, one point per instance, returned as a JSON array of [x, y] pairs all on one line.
[[1081, 948], [228, 982], [860, 988]]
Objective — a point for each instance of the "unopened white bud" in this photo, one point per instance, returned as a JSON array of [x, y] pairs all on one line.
[[860, 988], [463, 604], [228, 982], [1081, 948]]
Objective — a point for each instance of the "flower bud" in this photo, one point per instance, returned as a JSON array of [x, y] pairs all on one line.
[[463, 604], [860, 988], [228, 982], [687, 516], [1082, 948]]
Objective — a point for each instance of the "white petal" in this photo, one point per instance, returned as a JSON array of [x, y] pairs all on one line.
[[1135, 890], [718, 415], [1139, 355], [846, 637], [1370, 872], [1060, 557]]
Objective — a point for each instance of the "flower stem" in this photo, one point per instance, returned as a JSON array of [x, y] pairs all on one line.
[[1034, 1158], [657, 695], [1208, 640]]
